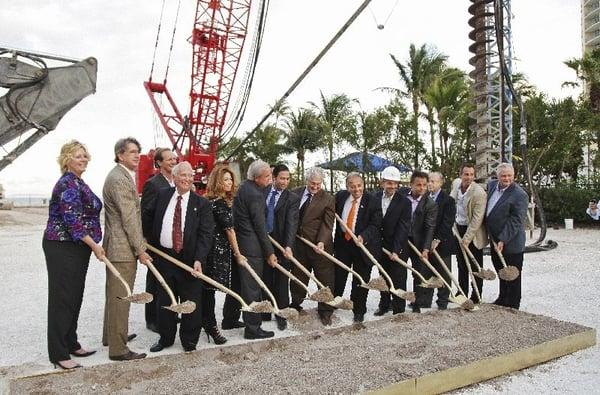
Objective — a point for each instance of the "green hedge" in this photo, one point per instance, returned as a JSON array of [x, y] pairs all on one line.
[[567, 202]]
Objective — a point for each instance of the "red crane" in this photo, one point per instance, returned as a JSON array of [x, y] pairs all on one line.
[[217, 40]]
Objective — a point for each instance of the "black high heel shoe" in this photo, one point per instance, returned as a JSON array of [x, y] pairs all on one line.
[[58, 364], [213, 332], [83, 354]]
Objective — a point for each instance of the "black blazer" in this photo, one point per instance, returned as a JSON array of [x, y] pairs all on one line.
[[286, 217], [368, 223], [149, 193], [446, 214], [395, 226], [506, 221], [199, 226], [249, 221], [423, 221]]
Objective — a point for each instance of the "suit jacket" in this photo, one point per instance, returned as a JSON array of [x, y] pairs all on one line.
[[423, 221], [475, 202], [198, 230], [395, 226], [368, 223], [506, 221], [149, 193], [286, 217], [123, 240], [249, 222], [319, 217], [446, 214]]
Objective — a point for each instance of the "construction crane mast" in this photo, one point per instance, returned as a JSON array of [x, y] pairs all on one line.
[[492, 51]]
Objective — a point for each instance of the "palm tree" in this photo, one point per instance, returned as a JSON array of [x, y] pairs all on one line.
[[267, 144], [587, 70], [417, 74], [303, 136], [336, 118], [281, 110]]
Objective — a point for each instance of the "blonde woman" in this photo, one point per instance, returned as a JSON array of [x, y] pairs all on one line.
[[220, 191], [72, 233]]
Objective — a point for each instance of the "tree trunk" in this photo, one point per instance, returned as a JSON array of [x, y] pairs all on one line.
[[431, 122], [330, 168], [415, 102]]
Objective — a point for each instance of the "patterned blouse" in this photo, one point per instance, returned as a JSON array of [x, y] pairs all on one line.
[[74, 211]]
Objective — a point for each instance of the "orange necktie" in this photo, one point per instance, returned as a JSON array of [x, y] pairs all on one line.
[[350, 219]]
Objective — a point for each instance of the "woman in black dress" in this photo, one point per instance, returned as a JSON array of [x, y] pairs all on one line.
[[220, 191]]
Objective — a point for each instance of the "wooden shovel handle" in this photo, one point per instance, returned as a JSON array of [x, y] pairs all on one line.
[[405, 264], [334, 260], [466, 255], [429, 265], [202, 276], [298, 264], [162, 282], [465, 251], [448, 272], [500, 255], [116, 273], [261, 283]]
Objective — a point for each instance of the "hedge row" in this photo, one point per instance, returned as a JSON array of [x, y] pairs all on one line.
[[567, 202]]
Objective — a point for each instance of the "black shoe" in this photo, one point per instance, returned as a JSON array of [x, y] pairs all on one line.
[[129, 356], [499, 302], [266, 316], [151, 326], [442, 306], [416, 309], [411, 304], [325, 319], [359, 317], [381, 311], [225, 325], [259, 334], [217, 337], [83, 354], [156, 347], [281, 323], [58, 364], [189, 348], [297, 307], [475, 299], [397, 312], [131, 336]]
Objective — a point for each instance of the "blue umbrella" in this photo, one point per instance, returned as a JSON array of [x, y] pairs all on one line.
[[355, 162]]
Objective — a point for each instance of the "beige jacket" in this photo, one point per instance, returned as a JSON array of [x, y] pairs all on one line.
[[475, 203], [123, 240]]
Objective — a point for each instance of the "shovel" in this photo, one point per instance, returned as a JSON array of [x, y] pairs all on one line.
[[482, 273], [186, 307], [461, 300], [449, 273], [254, 307], [377, 286], [471, 274], [507, 273], [143, 297], [433, 282], [410, 296]]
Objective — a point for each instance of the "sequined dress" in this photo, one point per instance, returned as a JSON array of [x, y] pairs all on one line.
[[218, 263]]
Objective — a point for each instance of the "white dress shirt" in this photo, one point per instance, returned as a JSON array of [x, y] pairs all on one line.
[[385, 202], [496, 195], [348, 207], [166, 232], [595, 216], [461, 212], [305, 196]]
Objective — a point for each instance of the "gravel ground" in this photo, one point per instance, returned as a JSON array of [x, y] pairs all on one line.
[[555, 284]]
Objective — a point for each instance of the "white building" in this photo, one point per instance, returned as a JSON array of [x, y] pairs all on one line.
[[590, 24]]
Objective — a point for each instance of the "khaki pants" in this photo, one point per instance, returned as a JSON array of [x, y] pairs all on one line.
[[116, 311]]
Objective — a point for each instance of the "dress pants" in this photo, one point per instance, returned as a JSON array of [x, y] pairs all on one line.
[[463, 273], [116, 311], [277, 282], [351, 255], [423, 295], [185, 287], [232, 308], [151, 309], [442, 293], [398, 274], [321, 267], [323, 270], [251, 292], [67, 263], [208, 308], [510, 291]]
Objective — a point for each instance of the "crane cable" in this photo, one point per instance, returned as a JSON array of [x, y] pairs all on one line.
[[157, 40], [536, 245], [172, 39]]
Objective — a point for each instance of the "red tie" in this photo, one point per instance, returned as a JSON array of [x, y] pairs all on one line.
[[177, 236]]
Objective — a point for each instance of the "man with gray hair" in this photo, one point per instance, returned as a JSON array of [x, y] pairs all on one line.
[[249, 208], [316, 218], [506, 214]]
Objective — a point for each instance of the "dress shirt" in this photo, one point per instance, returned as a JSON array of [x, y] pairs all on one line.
[[496, 195], [385, 202], [414, 202], [132, 174], [166, 232], [305, 196], [435, 195], [461, 213], [277, 196], [595, 216], [348, 207], [171, 182]]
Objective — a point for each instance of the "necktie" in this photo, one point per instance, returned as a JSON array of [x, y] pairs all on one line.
[[177, 235], [350, 219], [305, 205], [271, 211]]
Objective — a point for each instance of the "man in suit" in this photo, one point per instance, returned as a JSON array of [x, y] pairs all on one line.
[[443, 240], [124, 245], [471, 200], [282, 223], [395, 228], [182, 227], [361, 212], [316, 218], [164, 160], [250, 226], [506, 214], [424, 215]]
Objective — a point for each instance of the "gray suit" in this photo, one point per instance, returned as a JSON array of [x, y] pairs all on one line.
[[506, 222], [249, 208]]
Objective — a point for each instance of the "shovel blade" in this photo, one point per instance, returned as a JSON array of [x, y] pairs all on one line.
[[340, 303], [186, 307], [508, 273], [141, 298], [288, 313], [463, 302], [322, 295], [378, 284], [261, 307]]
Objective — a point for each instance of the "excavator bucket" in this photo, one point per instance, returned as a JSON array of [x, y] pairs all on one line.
[[38, 97]]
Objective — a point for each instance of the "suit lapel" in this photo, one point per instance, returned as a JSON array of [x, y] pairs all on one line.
[[282, 198], [503, 197], [190, 217]]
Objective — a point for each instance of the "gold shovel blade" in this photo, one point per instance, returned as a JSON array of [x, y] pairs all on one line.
[[186, 307], [141, 298]]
